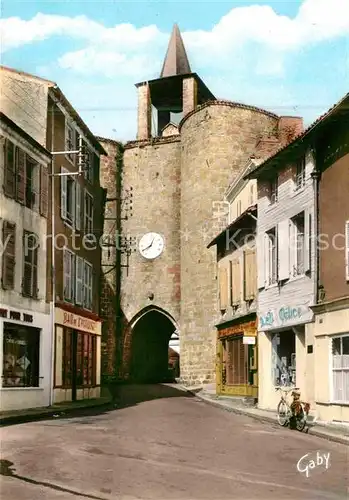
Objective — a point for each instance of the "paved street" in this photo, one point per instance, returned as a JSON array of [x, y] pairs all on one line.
[[164, 444]]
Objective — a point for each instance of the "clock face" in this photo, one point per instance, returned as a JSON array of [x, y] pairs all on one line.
[[151, 245]]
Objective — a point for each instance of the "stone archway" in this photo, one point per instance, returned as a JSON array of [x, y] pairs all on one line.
[[151, 331]]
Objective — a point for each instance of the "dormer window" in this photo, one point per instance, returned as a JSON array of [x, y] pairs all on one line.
[[273, 187], [300, 174]]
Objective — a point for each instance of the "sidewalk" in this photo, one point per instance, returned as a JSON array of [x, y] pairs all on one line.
[[338, 433], [61, 409]]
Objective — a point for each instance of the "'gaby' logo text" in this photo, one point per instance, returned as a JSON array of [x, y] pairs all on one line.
[[310, 461]]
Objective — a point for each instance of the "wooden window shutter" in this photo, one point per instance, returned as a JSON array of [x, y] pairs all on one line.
[[10, 169], [261, 261], [236, 283], [79, 283], [250, 275], [78, 196], [223, 288], [9, 255], [21, 164], [307, 240], [43, 190]]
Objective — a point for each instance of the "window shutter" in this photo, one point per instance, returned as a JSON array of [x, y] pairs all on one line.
[[10, 169], [236, 283], [35, 270], [79, 284], [223, 288], [67, 275], [78, 207], [43, 190], [74, 202], [267, 259], [21, 164], [261, 261], [307, 241], [8, 255], [283, 250], [347, 250], [249, 274], [64, 180]]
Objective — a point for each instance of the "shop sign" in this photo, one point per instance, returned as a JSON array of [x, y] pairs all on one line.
[[77, 322], [249, 340], [284, 316], [16, 316], [240, 329]]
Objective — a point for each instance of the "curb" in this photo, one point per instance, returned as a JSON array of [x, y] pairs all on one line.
[[263, 418], [41, 415]]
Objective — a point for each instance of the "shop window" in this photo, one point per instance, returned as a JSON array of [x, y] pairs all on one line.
[[284, 358], [340, 369], [79, 358], [21, 350]]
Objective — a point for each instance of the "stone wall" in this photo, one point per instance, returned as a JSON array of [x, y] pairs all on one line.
[[217, 140], [153, 171]]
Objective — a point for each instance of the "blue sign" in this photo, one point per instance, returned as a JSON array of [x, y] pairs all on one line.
[[266, 320], [290, 313]]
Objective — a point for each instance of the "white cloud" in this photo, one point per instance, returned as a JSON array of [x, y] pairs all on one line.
[[242, 56], [125, 45]]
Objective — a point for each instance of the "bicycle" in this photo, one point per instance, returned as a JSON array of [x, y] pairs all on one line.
[[294, 414]]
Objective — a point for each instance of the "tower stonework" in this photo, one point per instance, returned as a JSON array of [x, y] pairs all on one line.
[[177, 171]]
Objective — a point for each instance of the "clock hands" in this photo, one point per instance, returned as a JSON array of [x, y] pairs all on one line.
[[152, 241]]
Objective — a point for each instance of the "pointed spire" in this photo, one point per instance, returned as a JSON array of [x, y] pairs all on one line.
[[176, 59]]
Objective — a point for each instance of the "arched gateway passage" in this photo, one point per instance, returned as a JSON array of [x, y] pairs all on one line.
[[151, 334]]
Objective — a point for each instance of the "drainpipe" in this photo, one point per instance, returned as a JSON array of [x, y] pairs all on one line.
[[316, 176], [53, 270]]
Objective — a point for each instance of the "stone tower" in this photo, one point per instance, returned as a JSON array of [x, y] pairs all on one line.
[[189, 148]]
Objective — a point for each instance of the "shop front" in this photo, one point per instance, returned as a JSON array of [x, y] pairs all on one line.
[[282, 350], [77, 356], [237, 371], [330, 335], [25, 357]]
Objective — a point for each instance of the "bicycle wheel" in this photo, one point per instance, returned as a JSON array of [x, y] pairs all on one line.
[[283, 413]]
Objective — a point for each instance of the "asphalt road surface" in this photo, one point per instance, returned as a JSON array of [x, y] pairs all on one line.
[[163, 444]]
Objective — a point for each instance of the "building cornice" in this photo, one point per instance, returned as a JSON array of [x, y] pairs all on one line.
[[331, 306]]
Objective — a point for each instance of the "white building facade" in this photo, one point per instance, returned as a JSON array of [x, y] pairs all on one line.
[[286, 272], [25, 329]]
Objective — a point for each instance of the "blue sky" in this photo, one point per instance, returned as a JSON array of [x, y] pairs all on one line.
[[291, 57]]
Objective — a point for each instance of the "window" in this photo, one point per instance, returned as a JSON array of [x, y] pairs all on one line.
[[284, 358], [68, 273], [88, 213], [340, 369], [347, 250], [14, 178], [21, 356], [30, 272], [88, 286], [68, 191], [88, 163], [272, 260], [70, 142], [300, 173], [299, 243], [30, 171], [273, 190], [8, 255]]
